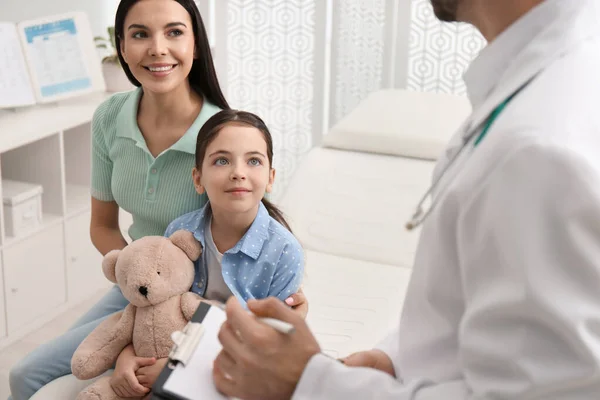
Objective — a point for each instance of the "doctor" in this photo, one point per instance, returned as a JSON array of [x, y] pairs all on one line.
[[504, 301]]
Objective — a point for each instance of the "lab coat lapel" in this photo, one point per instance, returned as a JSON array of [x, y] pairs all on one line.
[[561, 36]]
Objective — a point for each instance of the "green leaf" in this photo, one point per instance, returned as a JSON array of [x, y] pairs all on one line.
[[111, 59], [111, 36]]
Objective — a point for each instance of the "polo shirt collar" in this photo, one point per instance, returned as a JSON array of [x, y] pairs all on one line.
[[251, 243], [127, 126]]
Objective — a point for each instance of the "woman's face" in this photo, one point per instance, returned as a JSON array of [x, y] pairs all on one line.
[[158, 44]]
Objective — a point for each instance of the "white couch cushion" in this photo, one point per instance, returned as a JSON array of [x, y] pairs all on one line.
[[353, 303], [400, 122], [356, 205], [64, 388]]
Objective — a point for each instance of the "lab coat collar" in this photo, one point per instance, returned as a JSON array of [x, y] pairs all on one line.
[[487, 69], [519, 53]]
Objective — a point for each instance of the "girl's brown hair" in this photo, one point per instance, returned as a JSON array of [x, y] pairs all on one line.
[[211, 129]]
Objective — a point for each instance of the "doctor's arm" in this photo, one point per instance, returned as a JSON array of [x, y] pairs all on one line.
[[257, 362], [529, 242]]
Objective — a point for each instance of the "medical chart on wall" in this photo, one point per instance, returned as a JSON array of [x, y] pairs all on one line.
[[48, 59], [56, 57], [15, 85]]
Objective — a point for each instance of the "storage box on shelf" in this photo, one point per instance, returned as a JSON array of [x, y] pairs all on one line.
[[47, 263], [2, 307], [22, 207]]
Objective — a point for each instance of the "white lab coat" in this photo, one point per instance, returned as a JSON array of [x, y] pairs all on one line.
[[504, 300]]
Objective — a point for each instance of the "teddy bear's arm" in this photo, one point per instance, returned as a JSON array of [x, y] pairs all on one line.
[[189, 303], [100, 349]]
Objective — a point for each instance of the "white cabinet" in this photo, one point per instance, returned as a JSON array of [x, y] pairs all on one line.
[[84, 262], [2, 316], [34, 276], [53, 266]]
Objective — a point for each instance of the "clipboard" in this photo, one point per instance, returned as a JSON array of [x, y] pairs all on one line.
[[196, 340]]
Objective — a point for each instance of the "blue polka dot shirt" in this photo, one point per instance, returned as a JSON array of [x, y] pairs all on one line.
[[267, 261]]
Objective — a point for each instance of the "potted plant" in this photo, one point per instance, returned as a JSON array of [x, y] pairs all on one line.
[[114, 76]]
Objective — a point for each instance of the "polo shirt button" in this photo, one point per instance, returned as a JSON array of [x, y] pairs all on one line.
[[151, 190], [153, 170], [200, 284]]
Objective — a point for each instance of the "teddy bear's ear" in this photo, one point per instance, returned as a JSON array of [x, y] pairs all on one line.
[[186, 241], [109, 264]]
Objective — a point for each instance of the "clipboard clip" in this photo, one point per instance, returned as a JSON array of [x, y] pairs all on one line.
[[185, 342]]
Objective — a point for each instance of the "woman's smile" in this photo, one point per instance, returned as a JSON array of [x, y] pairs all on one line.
[[160, 70]]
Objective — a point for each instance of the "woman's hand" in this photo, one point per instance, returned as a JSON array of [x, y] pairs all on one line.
[[146, 376], [375, 359], [123, 380], [299, 303]]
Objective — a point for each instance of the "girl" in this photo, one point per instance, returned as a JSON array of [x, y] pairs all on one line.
[[143, 145], [248, 249]]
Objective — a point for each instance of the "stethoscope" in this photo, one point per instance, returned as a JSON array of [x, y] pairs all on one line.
[[422, 213]]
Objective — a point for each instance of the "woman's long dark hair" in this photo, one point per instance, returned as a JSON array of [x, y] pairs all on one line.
[[211, 129], [202, 77]]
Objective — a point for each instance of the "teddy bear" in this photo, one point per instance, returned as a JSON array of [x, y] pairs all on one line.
[[155, 274]]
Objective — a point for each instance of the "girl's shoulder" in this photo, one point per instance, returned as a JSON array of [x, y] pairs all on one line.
[[278, 232]]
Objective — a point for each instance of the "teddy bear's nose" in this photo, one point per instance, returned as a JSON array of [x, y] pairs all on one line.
[[144, 290]]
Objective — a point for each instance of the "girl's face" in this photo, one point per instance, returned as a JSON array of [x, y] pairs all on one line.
[[158, 44], [235, 172]]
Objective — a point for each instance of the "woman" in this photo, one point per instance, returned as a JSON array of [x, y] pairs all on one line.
[[143, 145]]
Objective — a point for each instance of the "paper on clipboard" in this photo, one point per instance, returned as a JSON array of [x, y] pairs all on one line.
[[194, 381]]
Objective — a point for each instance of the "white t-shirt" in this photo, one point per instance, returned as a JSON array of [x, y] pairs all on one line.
[[216, 288]]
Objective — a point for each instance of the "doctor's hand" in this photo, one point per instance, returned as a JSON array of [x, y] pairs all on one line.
[[375, 359], [258, 362]]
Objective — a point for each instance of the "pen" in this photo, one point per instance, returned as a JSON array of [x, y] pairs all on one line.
[[276, 324], [280, 326]]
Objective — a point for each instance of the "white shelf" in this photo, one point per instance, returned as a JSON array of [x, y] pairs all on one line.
[[29, 124], [49, 145], [48, 221], [78, 199]]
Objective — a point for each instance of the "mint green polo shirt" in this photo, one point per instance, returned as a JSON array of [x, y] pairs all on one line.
[[155, 191]]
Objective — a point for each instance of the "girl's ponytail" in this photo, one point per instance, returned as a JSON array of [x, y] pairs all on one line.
[[276, 213]]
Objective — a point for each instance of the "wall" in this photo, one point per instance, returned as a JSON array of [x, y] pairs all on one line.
[[439, 53], [270, 55], [368, 51], [305, 64], [100, 12]]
